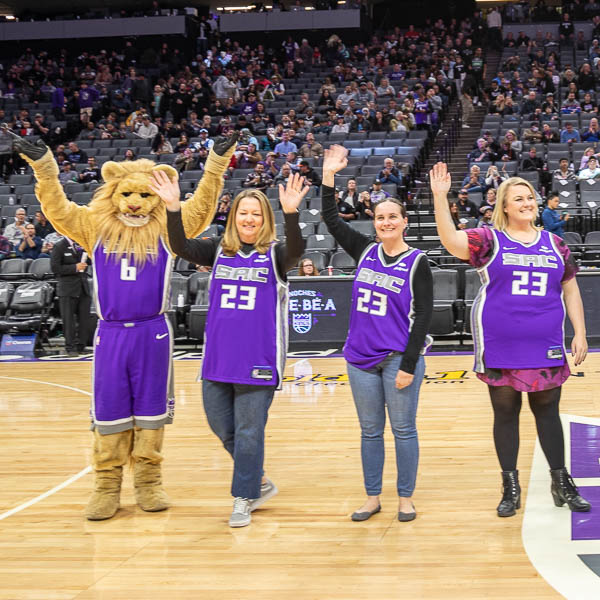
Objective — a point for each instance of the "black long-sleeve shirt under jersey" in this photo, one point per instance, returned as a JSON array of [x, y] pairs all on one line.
[[204, 252], [355, 243]]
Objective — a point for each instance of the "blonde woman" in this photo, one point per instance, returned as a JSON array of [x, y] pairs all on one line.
[[528, 278], [493, 177], [589, 151], [246, 327], [510, 137]]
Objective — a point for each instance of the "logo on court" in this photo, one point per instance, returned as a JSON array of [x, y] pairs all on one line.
[[302, 322], [564, 546]]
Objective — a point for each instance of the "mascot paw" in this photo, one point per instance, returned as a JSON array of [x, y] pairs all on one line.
[[222, 144], [152, 499], [22, 146], [149, 493], [102, 505]]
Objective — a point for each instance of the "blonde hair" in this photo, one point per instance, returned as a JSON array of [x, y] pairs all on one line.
[[499, 218], [232, 243]]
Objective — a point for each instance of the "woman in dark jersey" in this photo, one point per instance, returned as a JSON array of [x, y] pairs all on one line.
[[246, 327], [528, 277], [392, 304]]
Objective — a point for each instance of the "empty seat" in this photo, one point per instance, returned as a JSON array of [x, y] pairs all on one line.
[[572, 237], [445, 292], [29, 308], [364, 227], [342, 260], [40, 267], [361, 152], [197, 174], [307, 229], [593, 237], [310, 215], [82, 197], [12, 266], [20, 179], [6, 292], [472, 285], [321, 242]]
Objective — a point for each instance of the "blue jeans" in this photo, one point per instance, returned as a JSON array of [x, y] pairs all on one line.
[[373, 389], [238, 414]]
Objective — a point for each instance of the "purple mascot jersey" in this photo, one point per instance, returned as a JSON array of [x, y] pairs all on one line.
[[246, 327], [382, 307], [518, 316], [133, 343]]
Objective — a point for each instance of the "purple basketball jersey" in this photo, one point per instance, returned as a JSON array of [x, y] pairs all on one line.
[[245, 339], [518, 316], [381, 316], [421, 117], [126, 292]]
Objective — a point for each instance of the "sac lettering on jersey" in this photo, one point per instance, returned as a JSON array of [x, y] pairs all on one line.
[[378, 279], [257, 274], [530, 260]]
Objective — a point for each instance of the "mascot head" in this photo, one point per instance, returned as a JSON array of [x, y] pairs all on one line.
[[130, 216]]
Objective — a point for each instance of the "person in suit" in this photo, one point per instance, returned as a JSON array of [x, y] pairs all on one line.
[[74, 294]]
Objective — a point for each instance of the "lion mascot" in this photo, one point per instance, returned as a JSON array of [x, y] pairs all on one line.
[[123, 230]]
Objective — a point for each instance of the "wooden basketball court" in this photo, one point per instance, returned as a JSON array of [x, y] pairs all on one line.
[[301, 544]]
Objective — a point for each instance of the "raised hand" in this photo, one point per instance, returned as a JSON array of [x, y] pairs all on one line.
[[25, 148], [292, 194], [335, 159], [222, 144], [439, 179], [167, 189]]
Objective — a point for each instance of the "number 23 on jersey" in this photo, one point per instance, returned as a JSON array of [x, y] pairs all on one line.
[[371, 302]]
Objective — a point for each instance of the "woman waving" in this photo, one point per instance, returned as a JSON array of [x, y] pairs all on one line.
[[392, 304]]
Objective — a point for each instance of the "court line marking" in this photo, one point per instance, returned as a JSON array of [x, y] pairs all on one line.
[[62, 485]]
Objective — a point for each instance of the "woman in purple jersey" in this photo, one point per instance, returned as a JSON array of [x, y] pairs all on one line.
[[528, 277], [246, 327], [392, 305]]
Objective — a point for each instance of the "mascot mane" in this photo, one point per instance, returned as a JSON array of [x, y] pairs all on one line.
[[138, 244]]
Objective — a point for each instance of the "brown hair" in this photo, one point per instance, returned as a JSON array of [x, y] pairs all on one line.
[[393, 201], [231, 240], [301, 268]]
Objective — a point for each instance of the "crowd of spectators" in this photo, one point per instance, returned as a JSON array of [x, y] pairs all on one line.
[[156, 102], [542, 123]]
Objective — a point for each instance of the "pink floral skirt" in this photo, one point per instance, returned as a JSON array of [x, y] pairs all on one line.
[[527, 380]]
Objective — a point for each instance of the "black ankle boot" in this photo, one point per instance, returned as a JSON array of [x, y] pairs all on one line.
[[564, 490], [511, 494]]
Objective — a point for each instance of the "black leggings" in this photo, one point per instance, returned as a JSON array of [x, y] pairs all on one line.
[[506, 403]]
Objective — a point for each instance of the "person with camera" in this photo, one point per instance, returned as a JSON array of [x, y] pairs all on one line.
[[551, 219], [69, 263], [258, 179]]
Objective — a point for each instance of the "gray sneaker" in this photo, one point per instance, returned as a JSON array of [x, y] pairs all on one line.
[[267, 491], [240, 516]]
